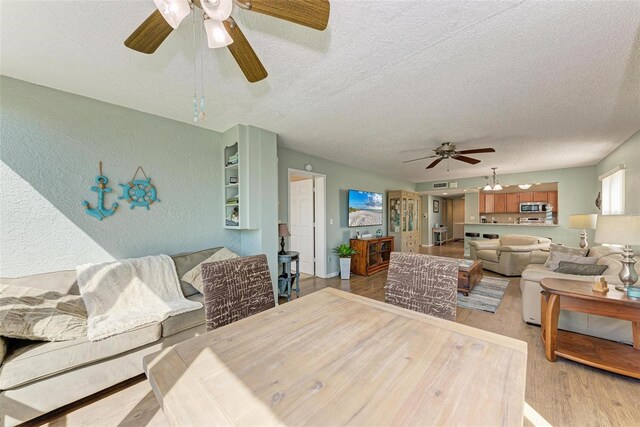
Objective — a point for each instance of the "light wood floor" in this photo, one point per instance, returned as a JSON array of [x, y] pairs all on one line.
[[565, 393]]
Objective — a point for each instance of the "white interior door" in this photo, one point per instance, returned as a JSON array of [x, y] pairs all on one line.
[[301, 223]]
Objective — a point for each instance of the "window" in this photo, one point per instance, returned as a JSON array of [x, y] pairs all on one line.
[[613, 191]]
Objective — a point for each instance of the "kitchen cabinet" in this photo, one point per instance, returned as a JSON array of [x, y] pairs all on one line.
[[482, 203], [525, 197], [513, 202], [500, 203], [552, 199], [539, 196], [489, 206]]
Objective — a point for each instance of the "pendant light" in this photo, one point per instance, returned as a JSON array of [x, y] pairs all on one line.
[[173, 11], [496, 185]]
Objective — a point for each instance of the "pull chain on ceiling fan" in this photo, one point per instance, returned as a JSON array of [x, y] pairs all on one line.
[[222, 30], [447, 150]]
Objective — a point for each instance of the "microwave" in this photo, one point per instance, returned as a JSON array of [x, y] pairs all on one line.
[[533, 207]]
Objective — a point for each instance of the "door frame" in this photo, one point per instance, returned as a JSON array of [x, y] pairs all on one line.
[[320, 215]]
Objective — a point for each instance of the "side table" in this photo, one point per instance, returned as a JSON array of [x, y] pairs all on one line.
[[603, 354], [286, 278]]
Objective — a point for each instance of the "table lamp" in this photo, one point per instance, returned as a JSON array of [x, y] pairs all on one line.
[[283, 232], [622, 230], [584, 222]]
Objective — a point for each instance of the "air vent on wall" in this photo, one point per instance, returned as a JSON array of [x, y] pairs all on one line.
[[439, 185]]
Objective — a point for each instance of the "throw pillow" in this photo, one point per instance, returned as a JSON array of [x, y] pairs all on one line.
[[40, 315], [194, 276], [559, 253], [580, 269]]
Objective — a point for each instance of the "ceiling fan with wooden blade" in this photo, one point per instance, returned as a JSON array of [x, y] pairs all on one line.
[[222, 30], [447, 150]]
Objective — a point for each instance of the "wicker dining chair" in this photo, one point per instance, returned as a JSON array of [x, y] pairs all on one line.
[[235, 289], [423, 283]]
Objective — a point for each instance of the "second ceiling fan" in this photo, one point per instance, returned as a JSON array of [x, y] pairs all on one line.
[[222, 30], [447, 150]]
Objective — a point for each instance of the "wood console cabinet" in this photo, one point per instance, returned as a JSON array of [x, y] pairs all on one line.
[[373, 255]]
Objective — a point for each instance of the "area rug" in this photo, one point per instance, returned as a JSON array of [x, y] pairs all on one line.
[[486, 295]]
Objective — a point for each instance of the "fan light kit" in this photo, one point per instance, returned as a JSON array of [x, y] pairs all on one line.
[[222, 30], [447, 150], [496, 185]]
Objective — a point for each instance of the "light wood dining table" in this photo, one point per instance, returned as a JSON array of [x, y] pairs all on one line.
[[333, 358]]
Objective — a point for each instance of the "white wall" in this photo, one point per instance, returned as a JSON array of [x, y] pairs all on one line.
[[52, 142]]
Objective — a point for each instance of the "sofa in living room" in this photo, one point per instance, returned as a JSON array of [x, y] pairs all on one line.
[[510, 254], [37, 377], [609, 258]]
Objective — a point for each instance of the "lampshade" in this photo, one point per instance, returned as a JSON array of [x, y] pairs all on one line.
[[497, 187], [618, 229], [218, 10], [217, 35], [487, 188], [583, 221], [283, 231], [173, 11]]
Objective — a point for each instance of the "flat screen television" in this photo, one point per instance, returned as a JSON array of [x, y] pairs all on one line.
[[365, 208]]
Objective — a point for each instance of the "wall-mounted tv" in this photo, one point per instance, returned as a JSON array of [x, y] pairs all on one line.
[[365, 208]]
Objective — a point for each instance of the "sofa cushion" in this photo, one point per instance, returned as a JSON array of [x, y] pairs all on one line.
[[181, 322], [600, 251], [36, 314], [59, 281], [580, 269], [488, 255], [521, 240], [194, 276], [186, 261], [3, 348], [32, 362], [559, 253]]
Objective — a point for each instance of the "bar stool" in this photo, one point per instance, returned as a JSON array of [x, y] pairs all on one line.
[[472, 236], [491, 236]]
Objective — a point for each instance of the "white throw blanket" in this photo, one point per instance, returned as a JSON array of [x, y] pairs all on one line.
[[124, 295]]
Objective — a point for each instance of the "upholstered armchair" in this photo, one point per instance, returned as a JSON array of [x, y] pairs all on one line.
[[510, 254]]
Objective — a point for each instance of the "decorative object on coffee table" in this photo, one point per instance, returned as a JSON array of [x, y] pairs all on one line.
[[574, 295], [584, 222], [622, 230], [469, 275], [283, 231]]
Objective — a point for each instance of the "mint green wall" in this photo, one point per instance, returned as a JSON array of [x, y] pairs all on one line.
[[629, 155], [577, 190], [51, 143], [340, 178]]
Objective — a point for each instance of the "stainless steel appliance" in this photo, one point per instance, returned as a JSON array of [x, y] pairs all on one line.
[[531, 220], [532, 207]]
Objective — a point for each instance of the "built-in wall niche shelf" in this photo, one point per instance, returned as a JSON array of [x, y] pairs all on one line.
[[241, 181]]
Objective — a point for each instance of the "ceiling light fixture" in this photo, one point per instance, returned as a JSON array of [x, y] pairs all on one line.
[[525, 186], [496, 185], [173, 11]]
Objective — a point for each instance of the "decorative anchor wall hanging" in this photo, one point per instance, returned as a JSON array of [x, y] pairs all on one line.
[[139, 192], [100, 211]]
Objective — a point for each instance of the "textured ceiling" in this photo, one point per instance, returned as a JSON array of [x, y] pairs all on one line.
[[548, 84]]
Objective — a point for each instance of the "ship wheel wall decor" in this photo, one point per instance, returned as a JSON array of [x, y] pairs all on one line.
[[139, 192]]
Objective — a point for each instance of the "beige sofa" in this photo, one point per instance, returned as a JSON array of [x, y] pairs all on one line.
[[508, 255], [598, 326], [38, 377]]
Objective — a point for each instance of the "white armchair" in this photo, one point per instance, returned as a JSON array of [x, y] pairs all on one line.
[[510, 254]]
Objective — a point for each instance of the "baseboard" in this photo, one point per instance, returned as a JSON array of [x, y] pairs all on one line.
[[426, 246], [334, 274]]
